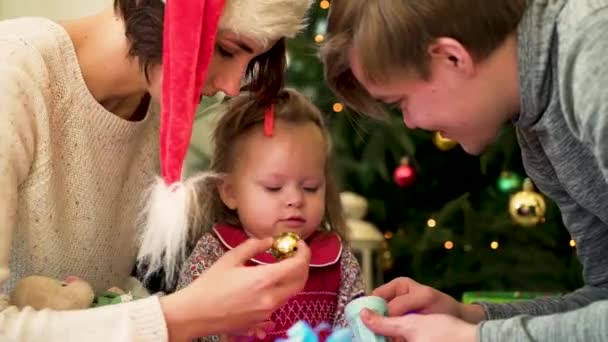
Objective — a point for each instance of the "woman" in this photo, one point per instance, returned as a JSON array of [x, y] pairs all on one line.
[[79, 145]]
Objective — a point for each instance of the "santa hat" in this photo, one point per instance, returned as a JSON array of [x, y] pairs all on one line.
[[190, 29]]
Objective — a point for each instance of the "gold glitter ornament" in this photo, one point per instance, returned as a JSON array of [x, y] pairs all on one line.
[[285, 245], [442, 143], [527, 207]]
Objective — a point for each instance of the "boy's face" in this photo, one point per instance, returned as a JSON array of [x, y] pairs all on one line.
[[278, 183], [466, 101]]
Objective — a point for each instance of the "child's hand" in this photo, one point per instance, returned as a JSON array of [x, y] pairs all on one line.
[[421, 328], [230, 297], [404, 295]]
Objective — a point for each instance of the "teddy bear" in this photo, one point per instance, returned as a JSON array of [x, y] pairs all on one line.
[[72, 293], [41, 292]]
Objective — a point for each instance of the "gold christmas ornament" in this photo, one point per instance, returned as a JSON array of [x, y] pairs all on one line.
[[387, 260], [444, 144], [527, 207], [285, 245]]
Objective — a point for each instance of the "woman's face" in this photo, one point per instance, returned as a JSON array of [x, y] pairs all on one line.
[[230, 60]]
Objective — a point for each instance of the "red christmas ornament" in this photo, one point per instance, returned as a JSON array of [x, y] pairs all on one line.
[[404, 174]]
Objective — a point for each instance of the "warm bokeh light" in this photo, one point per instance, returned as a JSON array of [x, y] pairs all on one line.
[[338, 107]]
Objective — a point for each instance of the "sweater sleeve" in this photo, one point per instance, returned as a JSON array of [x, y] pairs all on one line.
[[583, 80], [206, 252], [351, 285], [22, 104], [583, 89], [17, 132], [587, 324], [140, 320]]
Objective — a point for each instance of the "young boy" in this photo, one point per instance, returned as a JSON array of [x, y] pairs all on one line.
[[465, 68]]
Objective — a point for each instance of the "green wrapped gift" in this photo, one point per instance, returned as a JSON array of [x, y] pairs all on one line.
[[112, 297], [503, 296]]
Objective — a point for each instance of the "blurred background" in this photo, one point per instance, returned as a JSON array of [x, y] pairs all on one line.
[[418, 205], [54, 9]]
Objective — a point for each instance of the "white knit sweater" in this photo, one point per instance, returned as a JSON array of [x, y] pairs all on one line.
[[72, 179]]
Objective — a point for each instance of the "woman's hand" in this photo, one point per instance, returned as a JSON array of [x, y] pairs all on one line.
[[404, 295], [421, 328], [230, 297]]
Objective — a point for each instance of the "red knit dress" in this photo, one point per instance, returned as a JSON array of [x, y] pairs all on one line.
[[334, 278]]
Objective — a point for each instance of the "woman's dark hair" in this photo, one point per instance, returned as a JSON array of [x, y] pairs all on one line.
[[144, 30]]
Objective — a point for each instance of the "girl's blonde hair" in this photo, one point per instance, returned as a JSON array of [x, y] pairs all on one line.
[[243, 114], [391, 38]]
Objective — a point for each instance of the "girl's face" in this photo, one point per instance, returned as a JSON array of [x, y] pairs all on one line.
[[277, 183], [228, 65]]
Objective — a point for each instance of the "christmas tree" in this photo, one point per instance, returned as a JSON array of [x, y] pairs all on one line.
[[445, 214]]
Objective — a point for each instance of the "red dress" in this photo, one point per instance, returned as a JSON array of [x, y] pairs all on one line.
[[332, 280]]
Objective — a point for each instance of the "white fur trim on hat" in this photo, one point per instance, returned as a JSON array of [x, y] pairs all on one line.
[[265, 20]]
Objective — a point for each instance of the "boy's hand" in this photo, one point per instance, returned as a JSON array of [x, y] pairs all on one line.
[[405, 295], [421, 328]]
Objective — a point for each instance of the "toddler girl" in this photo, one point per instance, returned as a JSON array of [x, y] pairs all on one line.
[[269, 174]]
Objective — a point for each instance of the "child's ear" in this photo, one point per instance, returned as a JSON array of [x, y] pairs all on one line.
[[226, 191]]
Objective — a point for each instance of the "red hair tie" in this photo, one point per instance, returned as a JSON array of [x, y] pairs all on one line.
[[269, 121]]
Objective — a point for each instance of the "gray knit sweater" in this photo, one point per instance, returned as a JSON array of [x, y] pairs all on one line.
[[563, 133]]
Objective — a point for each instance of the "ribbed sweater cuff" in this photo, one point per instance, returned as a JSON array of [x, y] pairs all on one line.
[[148, 318]]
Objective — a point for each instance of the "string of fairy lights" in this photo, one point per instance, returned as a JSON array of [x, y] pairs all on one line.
[[449, 244], [319, 38]]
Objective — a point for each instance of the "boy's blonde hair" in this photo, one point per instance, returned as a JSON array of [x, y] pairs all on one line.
[[243, 114], [391, 37]]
